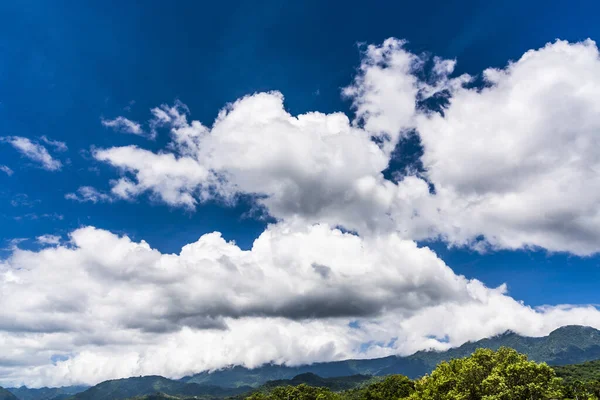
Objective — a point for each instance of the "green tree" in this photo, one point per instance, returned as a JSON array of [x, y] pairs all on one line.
[[489, 375], [593, 389], [391, 388], [300, 392]]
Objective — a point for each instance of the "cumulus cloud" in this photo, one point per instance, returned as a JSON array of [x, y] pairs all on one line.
[[314, 166], [513, 161], [517, 161], [88, 194], [385, 91], [48, 239], [125, 125], [34, 151], [6, 170], [512, 164], [124, 308], [175, 180]]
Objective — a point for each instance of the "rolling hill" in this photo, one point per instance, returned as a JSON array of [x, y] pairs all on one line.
[[46, 393], [336, 384], [6, 395], [120, 389]]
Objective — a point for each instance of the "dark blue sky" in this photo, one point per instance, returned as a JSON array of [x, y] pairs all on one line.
[[64, 65]]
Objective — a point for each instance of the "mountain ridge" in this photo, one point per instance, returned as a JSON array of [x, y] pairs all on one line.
[[566, 345]]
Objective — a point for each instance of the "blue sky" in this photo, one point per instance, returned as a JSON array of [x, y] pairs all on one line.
[[66, 66]]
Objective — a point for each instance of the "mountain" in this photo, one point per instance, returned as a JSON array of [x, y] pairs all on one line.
[[46, 393], [158, 387], [336, 384], [120, 389], [6, 395], [162, 396], [566, 345]]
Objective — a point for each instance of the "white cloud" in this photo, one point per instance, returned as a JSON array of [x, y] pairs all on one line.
[[6, 170], [89, 194], [518, 161], [515, 162], [33, 151], [58, 146], [122, 124], [34, 216], [166, 115], [385, 91], [22, 200], [48, 239], [118, 308], [314, 165], [175, 180]]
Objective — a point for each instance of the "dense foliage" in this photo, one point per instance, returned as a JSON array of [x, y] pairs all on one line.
[[504, 374], [336, 384], [391, 387], [490, 375], [581, 381], [587, 371]]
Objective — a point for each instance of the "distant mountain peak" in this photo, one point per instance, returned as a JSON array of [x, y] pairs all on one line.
[[575, 329]]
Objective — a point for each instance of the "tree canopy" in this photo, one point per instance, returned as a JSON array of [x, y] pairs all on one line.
[[489, 375]]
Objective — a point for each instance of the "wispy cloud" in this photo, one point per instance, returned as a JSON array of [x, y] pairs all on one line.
[[34, 217], [58, 146], [89, 194], [48, 239], [22, 200], [6, 170], [125, 125], [12, 244], [34, 151]]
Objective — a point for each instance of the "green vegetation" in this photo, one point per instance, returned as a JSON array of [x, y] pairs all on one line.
[[336, 384], [120, 389], [585, 372], [390, 387], [491, 375], [504, 374], [581, 381]]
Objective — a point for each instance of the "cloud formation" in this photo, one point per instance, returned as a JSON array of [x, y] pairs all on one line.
[[517, 161], [89, 194], [6, 170], [124, 125], [58, 145], [513, 162], [509, 164], [34, 151], [120, 306], [48, 239]]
